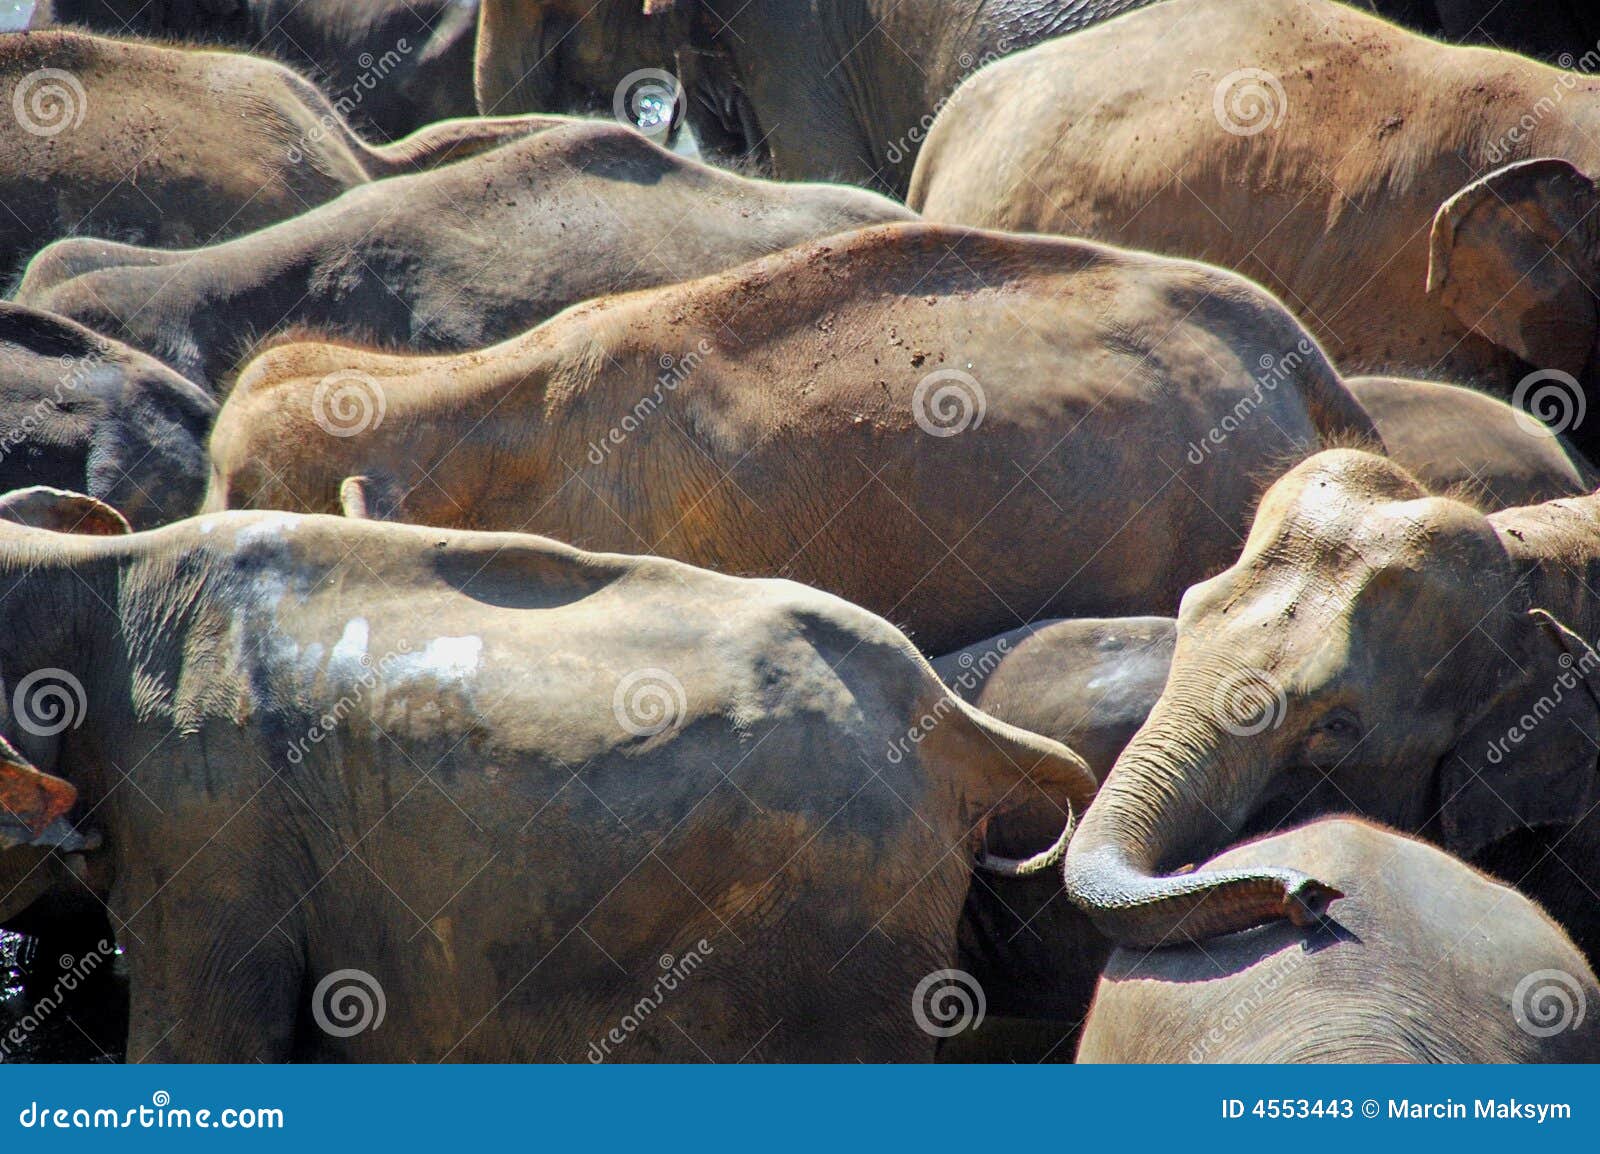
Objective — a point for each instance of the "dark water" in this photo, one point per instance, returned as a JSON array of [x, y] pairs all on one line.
[[59, 1009]]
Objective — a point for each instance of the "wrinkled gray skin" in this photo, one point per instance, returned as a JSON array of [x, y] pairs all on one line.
[[1425, 961], [79, 411], [358, 745], [1457, 439], [1374, 650], [181, 146], [1087, 682], [392, 66], [838, 91], [447, 260]]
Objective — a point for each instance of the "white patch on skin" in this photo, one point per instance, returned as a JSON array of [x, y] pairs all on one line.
[[445, 659], [352, 647], [266, 528]]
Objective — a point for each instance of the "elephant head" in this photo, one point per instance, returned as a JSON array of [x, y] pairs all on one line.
[[1375, 649], [575, 55]]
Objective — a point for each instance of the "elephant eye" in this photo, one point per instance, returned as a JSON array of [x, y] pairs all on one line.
[[1339, 724]]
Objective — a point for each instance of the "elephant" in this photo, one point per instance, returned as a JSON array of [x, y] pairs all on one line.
[[883, 414], [179, 146], [79, 411], [1426, 960], [1087, 682], [1426, 209], [390, 66], [1377, 650], [1453, 438], [517, 797], [446, 260], [815, 91]]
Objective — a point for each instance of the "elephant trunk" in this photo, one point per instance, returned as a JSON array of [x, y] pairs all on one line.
[[1168, 788]]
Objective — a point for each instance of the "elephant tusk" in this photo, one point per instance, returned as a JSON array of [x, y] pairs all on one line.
[[1024, 867]]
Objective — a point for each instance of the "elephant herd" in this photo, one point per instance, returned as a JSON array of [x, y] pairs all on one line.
[[681, 530]]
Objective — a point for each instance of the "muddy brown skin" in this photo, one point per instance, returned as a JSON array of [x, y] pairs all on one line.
[[1384, 195], [1366, 626], [178, 146], [1426, 960], [543, 759], [447, 260], [821, 91], [1097, 369], [79, 411], [1455, 438], [392, 65]]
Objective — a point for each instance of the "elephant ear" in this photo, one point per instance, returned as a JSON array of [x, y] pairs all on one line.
[[1530, 760], [28, 796], [61, 511], [1507, 257]]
